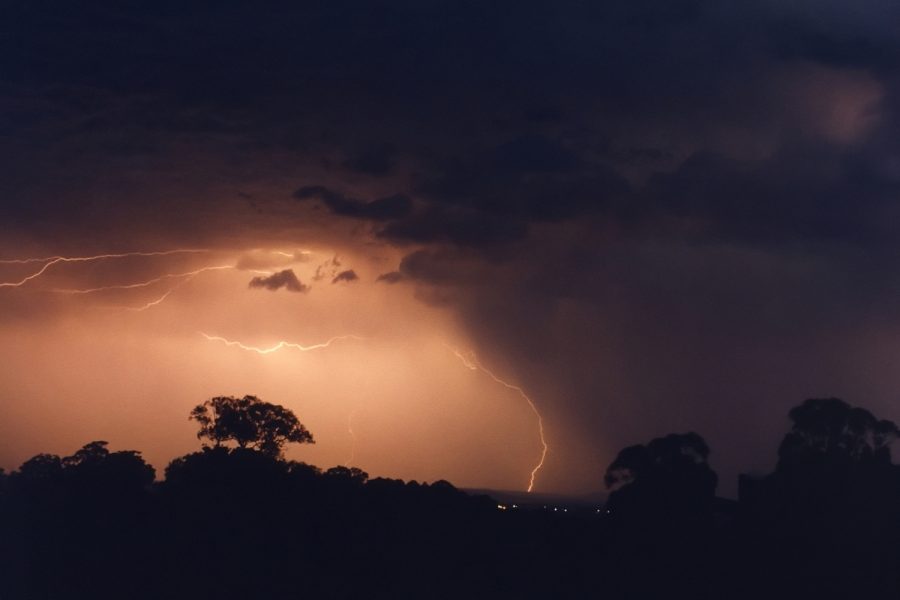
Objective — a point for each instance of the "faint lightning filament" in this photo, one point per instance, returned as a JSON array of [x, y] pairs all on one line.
[[159, 300], [53, 260], [471, 362], [149, 282], [352, 438], [280, 345], [27, 261]]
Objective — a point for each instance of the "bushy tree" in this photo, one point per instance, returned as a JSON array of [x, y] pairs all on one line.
[[834, 473], [347, 474], [41, 467], [829, 510], [250, 423], [92, 467], [669, 475], [828, 431]]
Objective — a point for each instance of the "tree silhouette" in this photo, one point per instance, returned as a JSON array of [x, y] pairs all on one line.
[[42, 467], [91, 468], [828, 514], [830, 431], [250, 423], [668, 476], [834, 472], [95, 467], [350, 475]]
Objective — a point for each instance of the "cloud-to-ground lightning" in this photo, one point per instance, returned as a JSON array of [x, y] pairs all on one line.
[[280, 345], [352, 433], [53, 260], [471, 362]]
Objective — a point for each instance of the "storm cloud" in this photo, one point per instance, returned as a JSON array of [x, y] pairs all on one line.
[[655, 216], [380, 209]]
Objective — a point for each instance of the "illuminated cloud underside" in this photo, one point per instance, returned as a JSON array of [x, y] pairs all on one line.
[[184, 276]]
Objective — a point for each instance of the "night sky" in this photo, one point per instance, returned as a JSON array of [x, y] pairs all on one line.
[[644, 217]]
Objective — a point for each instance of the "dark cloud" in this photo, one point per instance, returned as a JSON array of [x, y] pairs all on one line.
[[657, 215], [328, 268], [835, 35], [283, 279], [390, 277], [528, 178], [389, 207], [799, 195], [533, 154], [439, 267], [348, 276], [376, 161], [460, 226]]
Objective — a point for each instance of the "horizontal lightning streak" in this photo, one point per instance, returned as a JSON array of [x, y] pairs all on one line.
[[49, 262], [141, 284], [280, 345], [27, 261], [150, 304], [473, 364]]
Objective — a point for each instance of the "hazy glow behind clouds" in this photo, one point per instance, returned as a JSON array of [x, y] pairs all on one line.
[[89, 370]]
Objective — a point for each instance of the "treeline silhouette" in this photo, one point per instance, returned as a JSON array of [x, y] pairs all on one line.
[[237, 520]]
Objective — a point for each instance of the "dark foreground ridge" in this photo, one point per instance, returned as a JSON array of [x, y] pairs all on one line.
[[243, 522]]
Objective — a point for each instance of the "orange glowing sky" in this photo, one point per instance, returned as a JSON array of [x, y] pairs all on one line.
[[131, 343]]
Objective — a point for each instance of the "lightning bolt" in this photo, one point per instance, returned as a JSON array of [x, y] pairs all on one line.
[[26, 261], [471, 362], [159, 300], [54, 260], [280, 345], [352, 437], [149, 282]]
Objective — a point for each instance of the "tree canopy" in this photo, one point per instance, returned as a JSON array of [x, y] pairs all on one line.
[[669, 474], [828, 430], [250, 423], [92, 467]]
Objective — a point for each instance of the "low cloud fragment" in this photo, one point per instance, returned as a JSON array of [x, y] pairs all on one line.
[[286, 279], [348, 276], [391, 277]]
